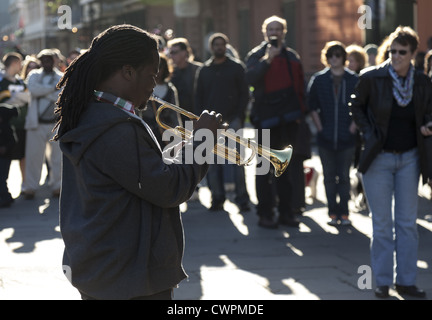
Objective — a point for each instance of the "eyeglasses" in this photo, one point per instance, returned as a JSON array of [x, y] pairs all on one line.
[[401, 52], [336, 54]]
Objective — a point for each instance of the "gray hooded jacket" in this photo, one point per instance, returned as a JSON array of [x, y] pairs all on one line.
[[119, 207]]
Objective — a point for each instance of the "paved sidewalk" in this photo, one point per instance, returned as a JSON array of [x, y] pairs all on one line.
[[227, 255]]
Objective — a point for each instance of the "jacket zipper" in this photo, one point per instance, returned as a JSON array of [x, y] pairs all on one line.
[[341, 90]]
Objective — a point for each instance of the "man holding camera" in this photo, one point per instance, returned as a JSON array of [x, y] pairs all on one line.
[[276, 74]]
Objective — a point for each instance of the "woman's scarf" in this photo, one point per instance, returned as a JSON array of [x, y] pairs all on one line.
[[402, 90]]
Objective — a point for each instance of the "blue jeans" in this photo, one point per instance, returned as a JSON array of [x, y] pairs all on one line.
[[336, 168], [393, 177]]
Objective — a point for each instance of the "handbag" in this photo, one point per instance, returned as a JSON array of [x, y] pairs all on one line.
[[47, 115]]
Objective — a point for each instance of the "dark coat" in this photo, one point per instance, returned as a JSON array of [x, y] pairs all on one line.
[[7, 134], [256, 69], [333, 111], [222, 88], [119, 207]]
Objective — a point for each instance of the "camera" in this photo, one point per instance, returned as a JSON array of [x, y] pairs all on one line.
[[273, 41]]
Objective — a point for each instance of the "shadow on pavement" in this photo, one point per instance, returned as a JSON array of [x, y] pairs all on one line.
[[286, 263], [316, 261], [31, 221]]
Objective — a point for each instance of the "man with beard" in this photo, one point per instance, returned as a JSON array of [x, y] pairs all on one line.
[[276, 73], [221, 84]]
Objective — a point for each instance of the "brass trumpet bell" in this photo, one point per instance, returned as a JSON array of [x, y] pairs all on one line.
[[278, 158]]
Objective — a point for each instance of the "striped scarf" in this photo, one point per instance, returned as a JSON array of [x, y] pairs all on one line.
[[117, 101], [402, 92], [126, 106]]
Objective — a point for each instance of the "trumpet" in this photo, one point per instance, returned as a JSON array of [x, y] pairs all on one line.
[[278, 158]]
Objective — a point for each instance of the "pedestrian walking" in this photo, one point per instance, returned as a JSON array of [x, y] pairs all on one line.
[[276, 74], [221, 84], [329, 93], [13, 91], [10, 82], [7, 142], [119, 206], [184, 74], [39, 124], [371, 50], [30, 63], [356, 59], [393, 109]]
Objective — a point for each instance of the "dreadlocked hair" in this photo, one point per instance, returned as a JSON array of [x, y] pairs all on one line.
[[109, 51]]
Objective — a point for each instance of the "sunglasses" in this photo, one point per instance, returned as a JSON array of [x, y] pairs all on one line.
[[336, 54], [401, 52]]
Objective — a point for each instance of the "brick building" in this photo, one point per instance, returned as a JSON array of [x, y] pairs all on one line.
[[311, 23]]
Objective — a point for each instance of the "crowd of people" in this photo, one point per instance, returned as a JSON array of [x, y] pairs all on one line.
[[371, 108], [28, 92]]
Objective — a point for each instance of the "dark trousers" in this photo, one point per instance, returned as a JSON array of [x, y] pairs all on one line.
[[5, 163], [336, 166], [271, 191], [218, 172], [216, 183], [298, 182]]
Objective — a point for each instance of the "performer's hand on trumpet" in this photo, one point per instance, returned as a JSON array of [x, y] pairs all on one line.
[[210, 120]]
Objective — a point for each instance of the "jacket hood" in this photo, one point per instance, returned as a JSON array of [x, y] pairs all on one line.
[[95, 121]]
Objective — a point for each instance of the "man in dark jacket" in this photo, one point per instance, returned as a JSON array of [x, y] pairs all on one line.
[[276, 74], [221, 85], [119, 204], [7, 142], [184, 74]]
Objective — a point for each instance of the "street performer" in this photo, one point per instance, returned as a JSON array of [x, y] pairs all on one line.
[[119, 203]]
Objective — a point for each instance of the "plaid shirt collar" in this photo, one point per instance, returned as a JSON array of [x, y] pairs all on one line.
[[117, 101], [126, 106]]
